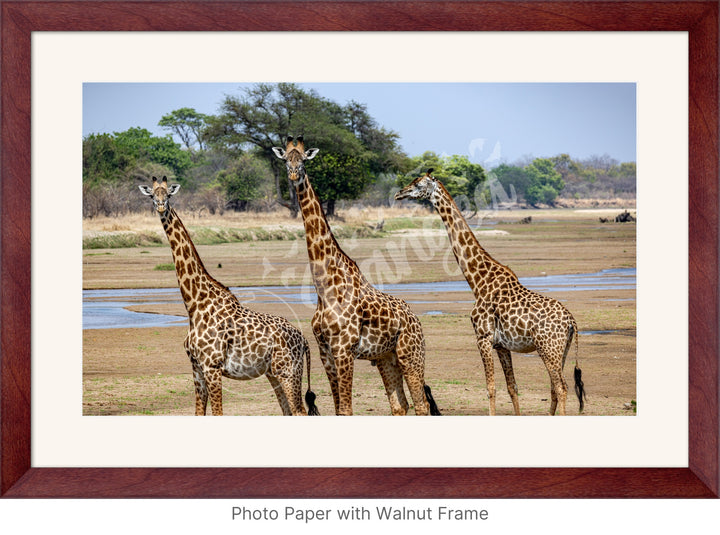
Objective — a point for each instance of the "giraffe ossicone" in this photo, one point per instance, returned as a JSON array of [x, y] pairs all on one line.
[[507, 316], [354, 320], [225, 338]]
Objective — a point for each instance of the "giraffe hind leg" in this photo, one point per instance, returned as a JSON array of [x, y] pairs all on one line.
[[280, 394], [411, 360], [285, 376], [558, 386], [330, 370], [393, 380]]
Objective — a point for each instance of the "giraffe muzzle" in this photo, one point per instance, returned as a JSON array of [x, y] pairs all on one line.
[[161, 206], [296, 176], [402, 194]]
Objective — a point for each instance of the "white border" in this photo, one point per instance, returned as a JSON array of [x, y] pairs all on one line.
[[657, 62]]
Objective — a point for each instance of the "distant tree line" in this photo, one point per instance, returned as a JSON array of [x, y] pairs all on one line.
[[225, 161], [544, 180]]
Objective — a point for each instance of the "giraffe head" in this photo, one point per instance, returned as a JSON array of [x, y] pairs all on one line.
[[160, 193], [421, 188], [295, 156]]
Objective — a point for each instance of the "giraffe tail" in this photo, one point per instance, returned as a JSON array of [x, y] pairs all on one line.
[[310, 395], [434, 410], [579, 385]]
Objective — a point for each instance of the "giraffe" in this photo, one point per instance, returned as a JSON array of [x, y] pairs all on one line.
[[353, 319], [506, 316], [225, 338]]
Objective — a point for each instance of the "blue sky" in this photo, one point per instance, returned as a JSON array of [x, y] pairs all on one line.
[[490, 123]]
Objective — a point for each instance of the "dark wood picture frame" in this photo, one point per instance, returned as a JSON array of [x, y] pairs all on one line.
[[19, 479]]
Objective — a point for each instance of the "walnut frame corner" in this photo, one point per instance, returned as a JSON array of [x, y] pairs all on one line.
[[19, 479]]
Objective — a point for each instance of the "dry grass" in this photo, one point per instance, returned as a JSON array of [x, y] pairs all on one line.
[[557, 241], [353, 215]]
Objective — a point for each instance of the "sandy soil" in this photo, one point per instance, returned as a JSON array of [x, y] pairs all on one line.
[[145, 371]]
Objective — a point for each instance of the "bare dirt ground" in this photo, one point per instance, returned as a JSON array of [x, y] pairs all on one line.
[[146, 371]]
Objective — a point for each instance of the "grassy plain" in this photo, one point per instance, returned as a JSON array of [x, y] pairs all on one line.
[[146, 371]]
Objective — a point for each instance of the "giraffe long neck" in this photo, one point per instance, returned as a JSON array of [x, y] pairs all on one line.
[[193, 279], [475, 262], [329, 265]]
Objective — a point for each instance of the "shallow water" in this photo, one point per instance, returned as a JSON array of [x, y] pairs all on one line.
[[106, 309]]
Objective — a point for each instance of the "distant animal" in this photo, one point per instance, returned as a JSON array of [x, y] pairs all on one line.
[[624, 217]]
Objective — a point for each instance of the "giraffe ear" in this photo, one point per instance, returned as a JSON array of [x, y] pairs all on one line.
[[311, 153], [172, 190], [146, 190], [279, 152]]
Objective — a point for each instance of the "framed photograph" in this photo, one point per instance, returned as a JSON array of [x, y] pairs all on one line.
[[669, 50]]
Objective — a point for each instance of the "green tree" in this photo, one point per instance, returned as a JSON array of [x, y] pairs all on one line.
[[545, 182], [458, 174], [473, 173], [338, 176], [104, 160], [265, 114], [189, 125], [384, 152], [512, 176], [242, 180], [418, 165], [142, 146]]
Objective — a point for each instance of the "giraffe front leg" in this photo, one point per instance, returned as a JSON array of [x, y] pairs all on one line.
[[345, 362], [484, 324], [201, 391], [484, 343], [213, 378], [506, 363], [326, 358], [201, 394]]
